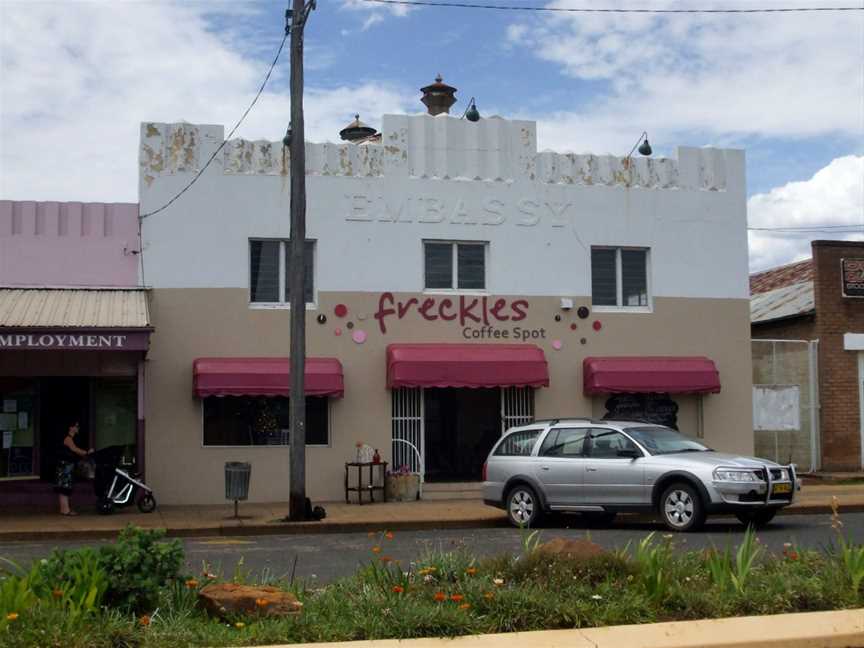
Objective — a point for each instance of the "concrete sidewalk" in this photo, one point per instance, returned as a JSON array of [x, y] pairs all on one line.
[[260, 519]]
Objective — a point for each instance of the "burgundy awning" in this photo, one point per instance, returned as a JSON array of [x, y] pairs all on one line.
[[264, 377], [466, 365], [640, 375]]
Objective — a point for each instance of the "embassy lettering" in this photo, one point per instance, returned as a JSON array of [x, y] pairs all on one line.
[[465, 309], [56, 341]]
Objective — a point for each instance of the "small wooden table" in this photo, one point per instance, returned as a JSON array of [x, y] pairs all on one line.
[[370, 487]]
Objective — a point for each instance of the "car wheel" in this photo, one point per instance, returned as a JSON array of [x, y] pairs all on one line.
[[599, 518], [757, 518], [147, 503], [523, 506], [681, 508]]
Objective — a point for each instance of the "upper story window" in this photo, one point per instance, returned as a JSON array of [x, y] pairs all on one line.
[[451, 265], [270, 271], [619, 277]]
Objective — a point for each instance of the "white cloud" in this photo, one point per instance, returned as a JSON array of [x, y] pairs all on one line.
[[783, 75], [377, 12], [833, 196], [73, 98]]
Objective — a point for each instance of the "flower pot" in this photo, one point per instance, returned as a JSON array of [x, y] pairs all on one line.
[[403, 488]]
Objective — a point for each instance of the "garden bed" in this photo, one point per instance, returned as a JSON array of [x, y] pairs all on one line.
[[133, 594]]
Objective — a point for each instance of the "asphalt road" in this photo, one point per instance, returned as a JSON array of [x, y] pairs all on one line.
[[325, 557]]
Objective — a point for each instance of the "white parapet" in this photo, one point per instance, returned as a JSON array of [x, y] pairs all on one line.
[[436, 148]]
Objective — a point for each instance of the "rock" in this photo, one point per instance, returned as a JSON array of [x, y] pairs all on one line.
[[579, 549], [226, 599]]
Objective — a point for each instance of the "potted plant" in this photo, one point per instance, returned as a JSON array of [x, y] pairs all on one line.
[[403, 485]]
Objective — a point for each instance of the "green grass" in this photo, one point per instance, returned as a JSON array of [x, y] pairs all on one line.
[[532, 591]]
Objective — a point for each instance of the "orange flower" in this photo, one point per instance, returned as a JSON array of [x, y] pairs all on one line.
[[398, 589], [376, 550], [793, 555], [488, 596], [239, 625], [262, 603], [465, 606], [144, 621], [456, 597], [471, 571], [192, 583], [57, 593], [12, 616], [440, 596], [389, 535], [385, 559]]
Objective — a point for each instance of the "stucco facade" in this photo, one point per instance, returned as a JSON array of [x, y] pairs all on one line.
[[370, 209]]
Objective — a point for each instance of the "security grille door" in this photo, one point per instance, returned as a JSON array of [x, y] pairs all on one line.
[[407, 414], [517, 406]]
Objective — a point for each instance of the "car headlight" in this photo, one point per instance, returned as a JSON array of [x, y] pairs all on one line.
[[736, 475]]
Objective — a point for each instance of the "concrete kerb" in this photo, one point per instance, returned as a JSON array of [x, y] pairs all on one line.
[[836, 629], [278, 527]]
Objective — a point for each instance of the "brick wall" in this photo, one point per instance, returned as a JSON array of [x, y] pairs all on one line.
[[797, 328], [838, 369]]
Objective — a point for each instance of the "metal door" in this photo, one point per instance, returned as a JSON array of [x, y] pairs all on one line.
[[407, 429], [610, 479]]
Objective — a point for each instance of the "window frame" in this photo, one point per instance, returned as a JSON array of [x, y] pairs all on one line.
[[329, 443], [454, 250], [589, 444], [282, 304], [561, 428], [619, 306]]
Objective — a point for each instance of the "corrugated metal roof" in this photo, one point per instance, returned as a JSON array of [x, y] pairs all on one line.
[[66, 308], [788, 301], [785, 275]]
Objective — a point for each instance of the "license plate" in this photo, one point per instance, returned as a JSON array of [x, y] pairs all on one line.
[[777, 489]]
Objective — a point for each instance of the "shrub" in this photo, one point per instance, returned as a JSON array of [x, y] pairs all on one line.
[[138, 565], [77, 580]]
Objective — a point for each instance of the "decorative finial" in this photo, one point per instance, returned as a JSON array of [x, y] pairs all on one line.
[[439, 78]]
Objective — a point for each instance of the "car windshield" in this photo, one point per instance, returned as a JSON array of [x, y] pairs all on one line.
[[662, 440]]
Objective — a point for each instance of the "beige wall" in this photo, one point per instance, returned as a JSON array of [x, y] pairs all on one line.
[[191, 323]]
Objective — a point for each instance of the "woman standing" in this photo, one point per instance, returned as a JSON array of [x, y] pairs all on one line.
[[69, 456]]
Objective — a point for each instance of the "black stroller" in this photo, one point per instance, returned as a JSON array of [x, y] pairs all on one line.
[[115, 487]]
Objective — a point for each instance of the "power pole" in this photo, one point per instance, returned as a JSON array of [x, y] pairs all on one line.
[[296, 22]]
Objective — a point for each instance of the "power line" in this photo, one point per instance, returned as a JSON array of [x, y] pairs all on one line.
[[496, 7], [226, 138], [840, 229]]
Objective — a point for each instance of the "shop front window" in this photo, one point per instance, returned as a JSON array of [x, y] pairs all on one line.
[[115, 417], [258, 420], [17, 428]]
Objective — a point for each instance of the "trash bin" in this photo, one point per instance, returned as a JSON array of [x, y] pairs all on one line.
[[237, 474]]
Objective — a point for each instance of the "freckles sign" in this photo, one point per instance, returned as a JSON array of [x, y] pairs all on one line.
[[480, 317]]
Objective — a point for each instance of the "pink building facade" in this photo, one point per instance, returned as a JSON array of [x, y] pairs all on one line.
[[74, 334]]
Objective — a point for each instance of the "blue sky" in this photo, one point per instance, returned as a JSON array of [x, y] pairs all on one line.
[[77, 78]]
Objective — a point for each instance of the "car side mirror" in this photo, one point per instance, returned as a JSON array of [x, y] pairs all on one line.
[[632, 453]]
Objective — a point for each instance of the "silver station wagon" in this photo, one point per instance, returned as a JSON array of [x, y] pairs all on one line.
[[600, 468]]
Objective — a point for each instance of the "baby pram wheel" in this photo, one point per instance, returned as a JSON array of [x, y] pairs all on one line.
[[147, 503], [105, 506]]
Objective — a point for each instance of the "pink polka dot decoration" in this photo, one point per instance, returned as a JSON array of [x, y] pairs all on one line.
[[597, 325], [574, 326], [337, 332], [359, 336], [557, 344], [341, 310]]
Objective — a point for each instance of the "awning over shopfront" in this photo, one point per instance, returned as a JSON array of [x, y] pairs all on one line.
[[74, 319], [264, 377], [641, 375], [466, 365]]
